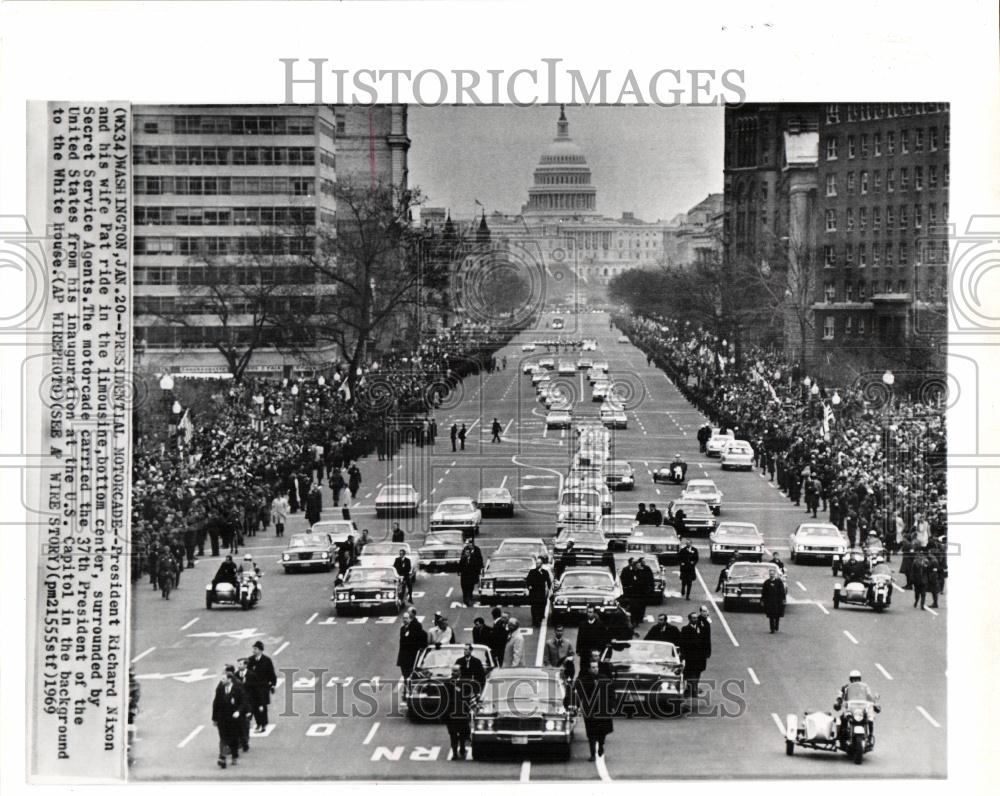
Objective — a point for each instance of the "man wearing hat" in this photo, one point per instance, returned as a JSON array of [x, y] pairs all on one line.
[[263, 680]]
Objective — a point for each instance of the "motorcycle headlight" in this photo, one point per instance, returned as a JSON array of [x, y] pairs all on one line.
[[859, 715], [285, 556]]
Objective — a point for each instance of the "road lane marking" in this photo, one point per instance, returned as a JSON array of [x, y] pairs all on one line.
[[453, 463], [799, 584], [440, 480], [928, 716], [526, 771], [822, 607], [281, 648], [190, 736], [309, 621], [142, 655], [885, 674], [371, 734], [450, 590], [368, 496], [930, 610], [850, 637], [507, 427], [504, 482], [602, 769], [658, 491], [753, 676], [185, 627], [725, 624], [781, 726]]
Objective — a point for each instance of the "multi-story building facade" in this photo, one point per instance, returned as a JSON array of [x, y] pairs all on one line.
[[884, 177], [695, 236], [243, 189]]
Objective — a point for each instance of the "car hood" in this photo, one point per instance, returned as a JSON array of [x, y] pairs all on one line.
[[309, 548], [378, 561], [523, 709], [646, 669], [367, 585]]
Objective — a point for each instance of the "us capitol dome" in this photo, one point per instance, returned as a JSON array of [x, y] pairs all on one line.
[[562, 185]]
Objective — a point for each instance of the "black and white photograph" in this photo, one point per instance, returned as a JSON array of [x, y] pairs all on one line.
[[541, 421]]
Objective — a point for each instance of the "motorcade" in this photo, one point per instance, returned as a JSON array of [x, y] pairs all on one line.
[[246, 594], [704, 489], [313, 550], [559, 418], [849, 729], [613, 416], [383, 554], [822, 540], [658, 542], [718, 441], [873, 589], [744, 582], [742, 538], [690, 516], [619, 474], [368, 588], [577, 588], [647, 673], [459, 513], [504, 580]]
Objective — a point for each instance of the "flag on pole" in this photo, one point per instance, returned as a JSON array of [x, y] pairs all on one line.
[[185, 426], [827, 420], [345, 391]]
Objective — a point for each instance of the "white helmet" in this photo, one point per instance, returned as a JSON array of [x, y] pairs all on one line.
[[248, 557], [854, 675]]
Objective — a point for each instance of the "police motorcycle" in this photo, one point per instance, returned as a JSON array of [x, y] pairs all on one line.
[[867, 580], [246, 592], [850, 728], [676, 470]]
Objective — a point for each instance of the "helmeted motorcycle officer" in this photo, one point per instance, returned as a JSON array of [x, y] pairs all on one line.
[[854, 567], [678, 462], [226, 574], [856, 690]]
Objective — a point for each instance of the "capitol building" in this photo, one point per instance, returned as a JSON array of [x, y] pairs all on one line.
[[561, 224]]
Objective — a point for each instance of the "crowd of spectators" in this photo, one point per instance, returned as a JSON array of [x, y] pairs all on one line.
[[213, 483], [870, 457]]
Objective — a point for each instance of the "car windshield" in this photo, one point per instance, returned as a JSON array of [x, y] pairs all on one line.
[[816, 530], [692, 507], [587, 580], [381, 549], [446, 656], [494, 494], [514, 691], [620, 523], [444, 538], [308, 540], [617, 468], [723, 435], [511, 564], [644, 652], [736, 530], [702, 489], [522, 548], [357, 575], [455, 508], [396, 490], [580, 499], [751, 571], [856, 692], [584, 539]]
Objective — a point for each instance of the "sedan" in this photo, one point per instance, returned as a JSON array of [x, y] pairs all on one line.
[[817, 540], [528, 347], [619, 526], [584, 363], [548, 363], [661, 543], [738, 455], [441, 549], [744, 581], [426, 698], [623, 339], [559, 418], [718, 441], [578, 588], [309, 551], [601, 390], [650, 672], [457, 512], [530, 367], [495, 502], [688, 516], [619, 474], [613, 416], [540, 376], [742, 538], [706, 490], [504, 580], [396, 500], [566, 367], [600, 364], [533, 547], [365, 587]]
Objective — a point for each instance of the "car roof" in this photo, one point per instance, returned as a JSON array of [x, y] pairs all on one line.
[[701, 482], [523, 540], [455, 500], [732, 524], [526, 672]]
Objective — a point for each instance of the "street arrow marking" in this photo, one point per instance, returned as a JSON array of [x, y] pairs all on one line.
[[239, 635]]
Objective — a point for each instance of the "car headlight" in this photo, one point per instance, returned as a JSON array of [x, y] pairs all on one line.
[[560, 601], [342, 595], [609, 600], [486, 584], [550, 724], [756, 548], [324, 555], [285, 557], [859, 715], [484, 724], [666, 687], [841, 551], [387, 595]]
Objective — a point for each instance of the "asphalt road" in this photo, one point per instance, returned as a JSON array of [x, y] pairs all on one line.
[[755, 678]]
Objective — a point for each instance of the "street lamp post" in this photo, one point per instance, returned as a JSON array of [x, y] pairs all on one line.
[[167, 387]]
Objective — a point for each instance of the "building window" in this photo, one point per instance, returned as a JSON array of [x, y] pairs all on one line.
[[877, 144], [864, 145], [828, 323], [850, 219], [932, 176], [904, 179], [861, 326], [904, 142], [890, 218], [877, 181], [901, 286], [849, 292], [876, 219], [918, 178], [904, 254], [875, 255], [918, 217], [831, 184], [831, 220], [831, 148], [850, 182], [848, 325], [862, 290], [829, 292], [918, 140], [862, 255], [947, 174], [946, 135], [864, 182], [932, 214], [862, 219], [849, 255], [829, 256], [890, 142], [890, 180], [851, 147], [833, 114], [889, 254], [904, 217]]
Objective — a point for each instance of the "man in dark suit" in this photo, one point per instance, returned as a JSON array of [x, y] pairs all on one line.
[[693, 652], [499, 635], [772, 597], [412, 639], [470, 566], [591, 635], [471, 667], [539, 583], [228, 710], [404, 568], [244, 678], [688, 560], [664, 631], [263, 682]]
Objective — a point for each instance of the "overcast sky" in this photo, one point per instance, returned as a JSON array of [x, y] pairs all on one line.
[[654, 161]]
